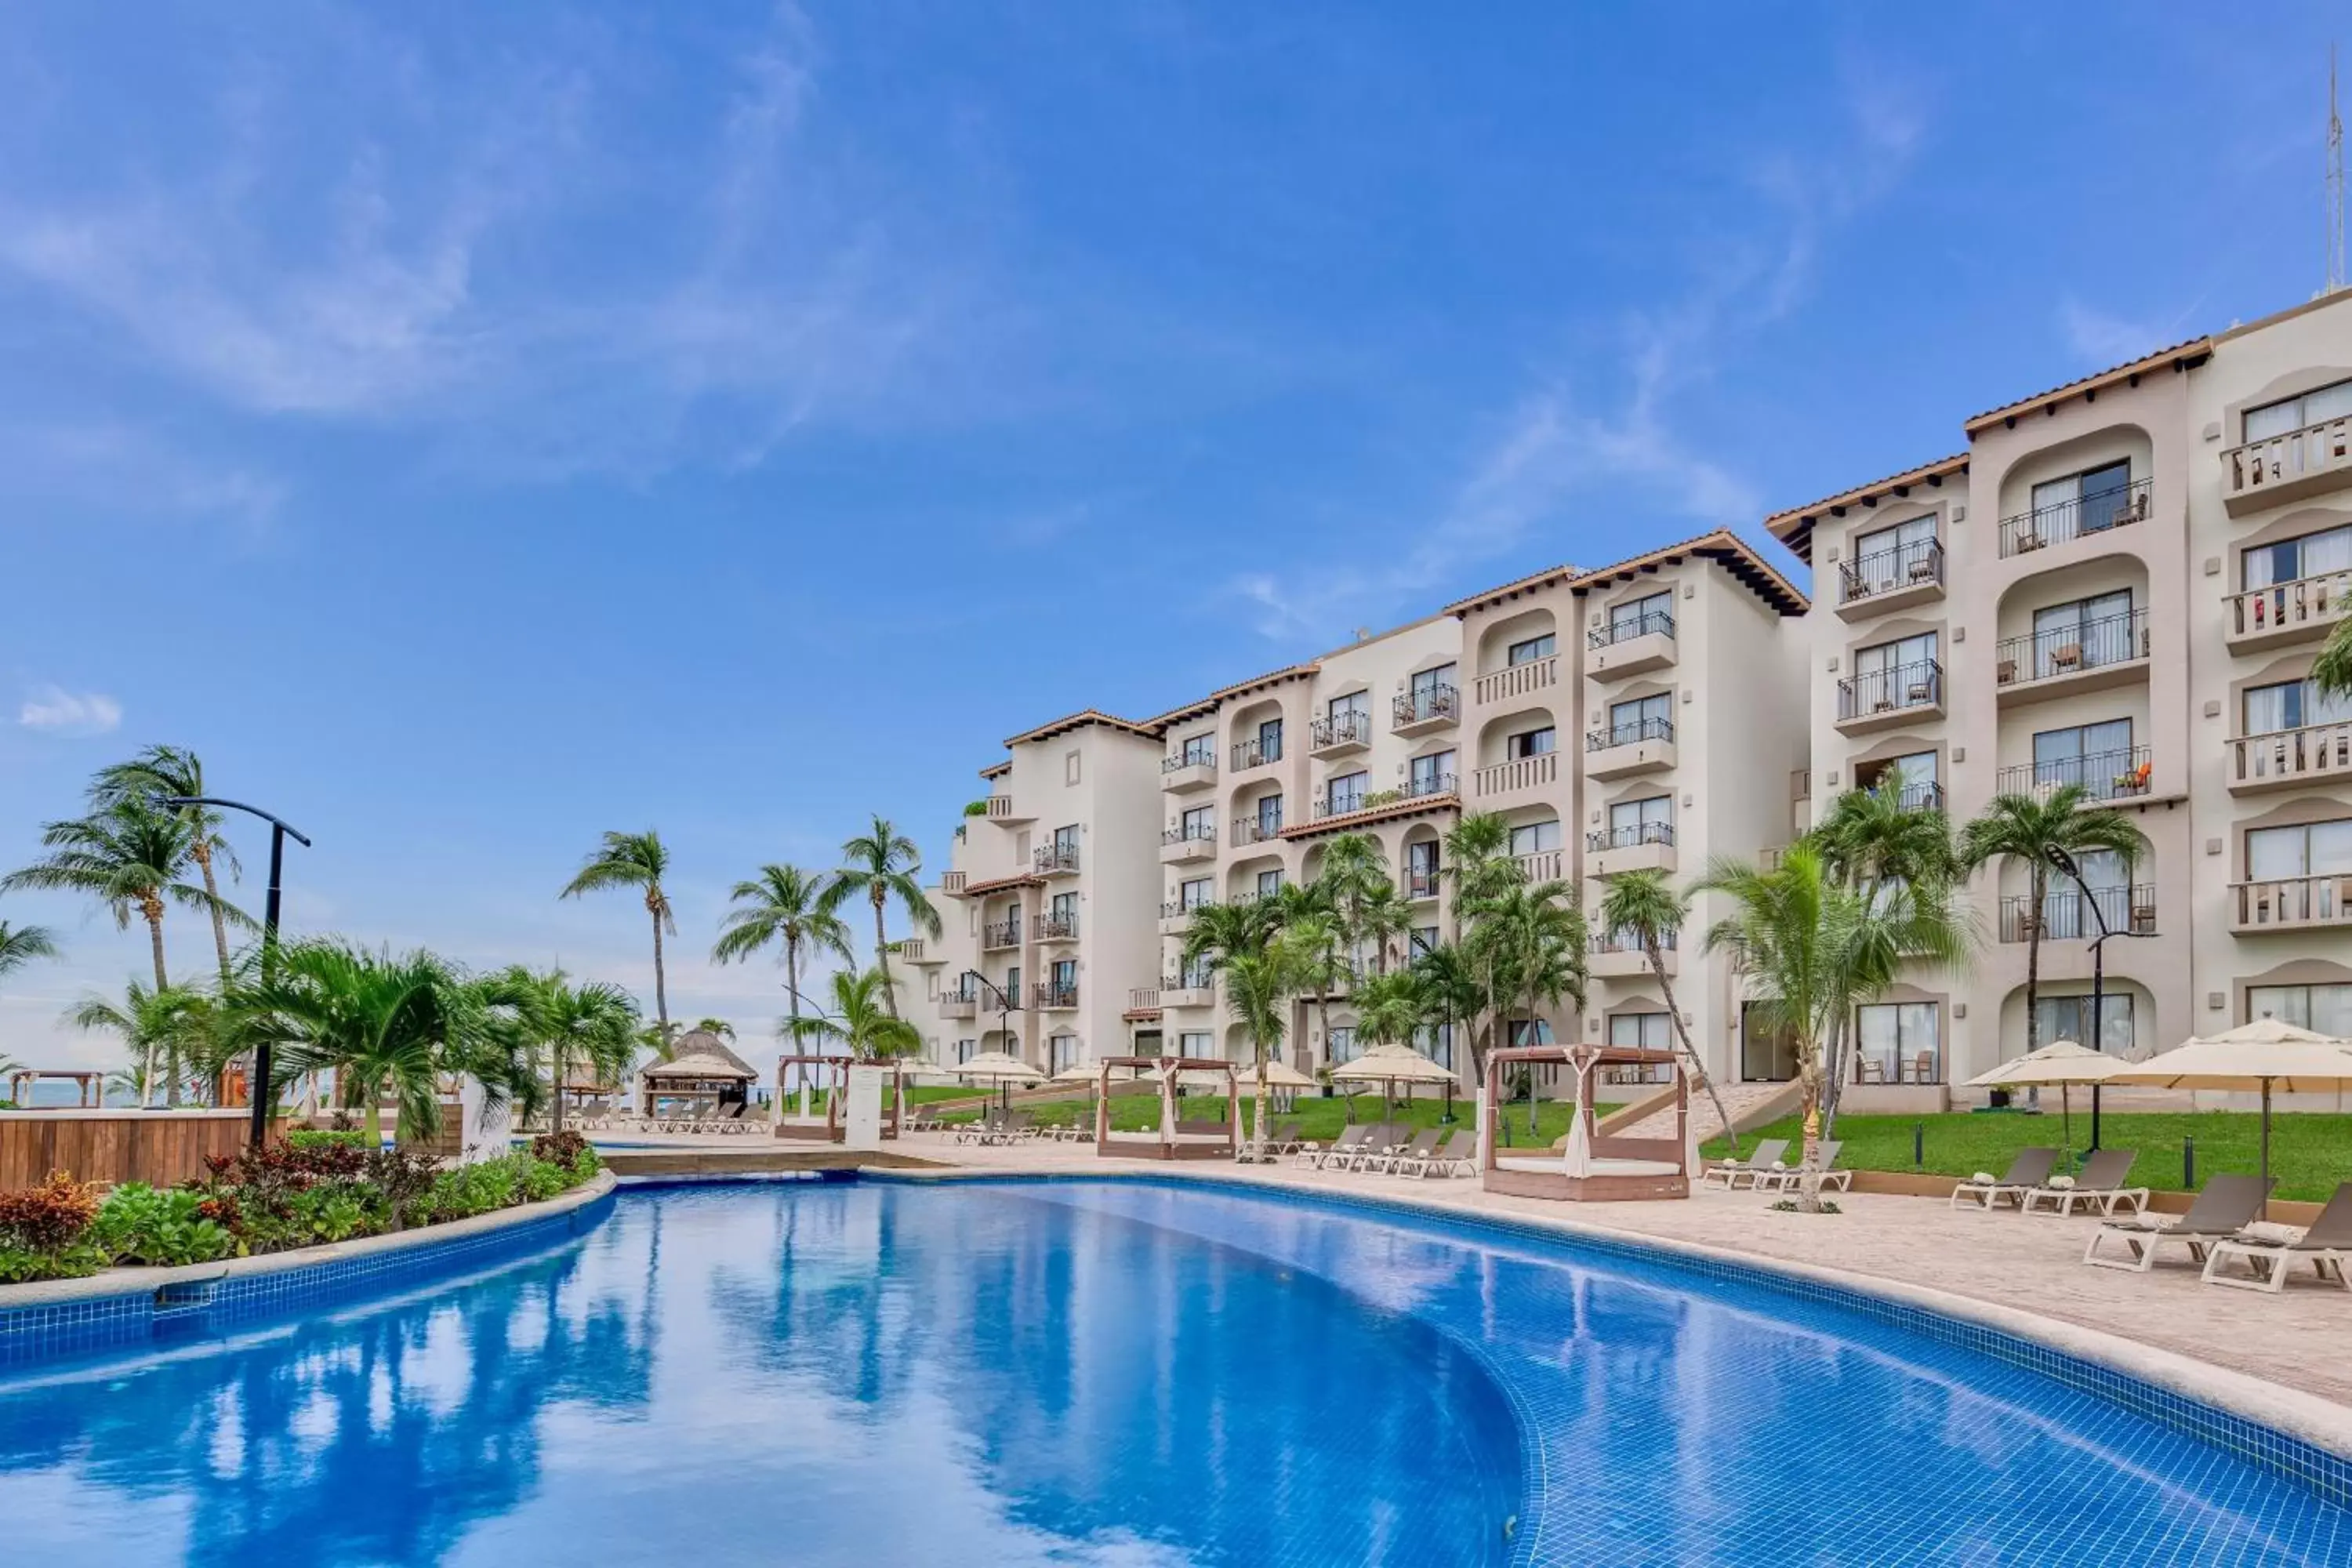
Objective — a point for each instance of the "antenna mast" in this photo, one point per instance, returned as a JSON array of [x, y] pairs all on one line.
[[2335, 182]]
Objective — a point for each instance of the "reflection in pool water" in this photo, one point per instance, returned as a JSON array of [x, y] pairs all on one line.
[[1106, 1374]]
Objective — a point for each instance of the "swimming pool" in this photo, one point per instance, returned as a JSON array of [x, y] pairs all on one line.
[[1117, 1373]]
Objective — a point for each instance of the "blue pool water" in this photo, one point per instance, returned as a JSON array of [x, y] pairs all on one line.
[[1120, 1373]]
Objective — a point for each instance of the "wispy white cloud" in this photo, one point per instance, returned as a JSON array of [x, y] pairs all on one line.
[[2096, 338], [58, 712]]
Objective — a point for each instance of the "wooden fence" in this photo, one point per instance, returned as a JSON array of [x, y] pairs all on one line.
[[161, 1147]]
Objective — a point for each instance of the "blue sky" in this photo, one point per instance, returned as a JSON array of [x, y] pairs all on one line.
[[476, 427]]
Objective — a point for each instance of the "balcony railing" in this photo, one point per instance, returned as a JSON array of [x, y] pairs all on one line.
[[2287, 756], [1177, 909], [1422, 707], [2278, 462], [1258, 828], [1422, 884], [1916, 794], [961, 995], [1046, 993], [1630, 734], [1422, 785], [1191, 832], [1055, 857], [2284, 608], [1911, 565], [1351, 728], [2069, 917], [1257, 754], [1542, 865], [1143, 999], [1519, 772], [2103, 775], [1916, 685], [1630, 836], [2094, 513], [1178, 762], [1608, 634], [1201, 980], [2070, 650], [999, 933], [2290, 902], [1515, 680], [1624, 941], [1053, 927], [1348, 803]]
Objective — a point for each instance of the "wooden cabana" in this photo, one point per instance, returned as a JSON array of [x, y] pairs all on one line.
[[1175, 1138], [831, 1075], [1591, 1168], [695, 1076], [89, 1087]]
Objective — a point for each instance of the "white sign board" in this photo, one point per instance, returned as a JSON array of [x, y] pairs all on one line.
[[862, 1124], [486, 1133]]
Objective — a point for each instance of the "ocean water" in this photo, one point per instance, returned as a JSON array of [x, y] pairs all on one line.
[[1115, 1373]]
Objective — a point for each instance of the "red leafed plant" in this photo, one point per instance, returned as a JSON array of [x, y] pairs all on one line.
[[48, 1217]]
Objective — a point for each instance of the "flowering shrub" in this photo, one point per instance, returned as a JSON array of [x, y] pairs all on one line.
[[43, 1231]]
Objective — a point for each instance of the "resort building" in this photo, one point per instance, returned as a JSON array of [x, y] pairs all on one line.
[[2120, 582]]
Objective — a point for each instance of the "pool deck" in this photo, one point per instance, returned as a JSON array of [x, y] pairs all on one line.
[[2012, 1269]]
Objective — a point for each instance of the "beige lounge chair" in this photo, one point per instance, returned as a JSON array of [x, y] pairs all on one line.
[[1351, 1137], [2099, 1186], [2028, 1171], [2326, 1244], [1387, 1138], [2223, 1210], [1457, 1157], [1763, 1157], [1422, 1145], [1785, 1179]]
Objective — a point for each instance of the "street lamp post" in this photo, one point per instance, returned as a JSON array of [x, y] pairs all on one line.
[[1006, 1007], [280, 832], [2098, 973]]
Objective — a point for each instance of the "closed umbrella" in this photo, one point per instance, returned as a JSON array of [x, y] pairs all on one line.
[[2264, 1056], [2062, 1062]]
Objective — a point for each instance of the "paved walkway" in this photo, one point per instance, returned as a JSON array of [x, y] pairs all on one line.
[[2298, 1340]]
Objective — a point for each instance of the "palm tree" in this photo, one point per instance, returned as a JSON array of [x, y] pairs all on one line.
[[1305, 911], [2332, 670], [1352, 871], [594, 1024], [1537, 941], [1816, 949], [170, 1023], [2048, 833], [1870, 836], [1383, 916], [789, 907], [859, 1020], [1450, 986], [178, 771], [883, 866], [383, 1023], [1645, 906], [634, 860], [1481, 872], [1259, 986], [19, 945], [719, 1026], [1390, 1008]]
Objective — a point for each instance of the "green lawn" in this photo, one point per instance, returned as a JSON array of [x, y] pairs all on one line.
[[1318, 1119], [2310, 1154]]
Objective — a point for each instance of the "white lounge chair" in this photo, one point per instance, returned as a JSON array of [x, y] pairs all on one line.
[[1786, 1178], [1763, 1157], [2326, 1244], [2220, 1212], [2028, 1171], [2100, 1186]]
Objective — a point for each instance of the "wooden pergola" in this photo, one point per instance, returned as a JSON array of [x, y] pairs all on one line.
[[1592, 1168], [828, 1127], [1169, 1142], [89, 1087]]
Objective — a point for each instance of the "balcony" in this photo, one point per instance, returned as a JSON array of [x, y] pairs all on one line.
[[1256, 828], [1051, 927], [1004, 813], [1885, 581], [1504, 784], [1185, 772], [914, 950], [1056, 859], [1542, 865], [1515, 682], [952, 883], [2069, 917], [1189, 991], [1249, 755], [1419, 713], [2290, 903], [1187, 846], [1643, 746], [2284, 758], [1176, 916], [1919, 794], [2306, 608], [1048, 997], [1632, 646], [1420, 887], [960, 1003], [2109, 651], [1643, 846], [2282, 469], [2117, 507], [1616, 956], [1142, 999], [1337, 734], [2103, 775], [1423, 786], [997, 935], [1885, 699]]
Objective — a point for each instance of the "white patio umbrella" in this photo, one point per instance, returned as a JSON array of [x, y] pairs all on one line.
[[999, 1068], [2064, 1063], [2265, 1054], [1389, 1064]]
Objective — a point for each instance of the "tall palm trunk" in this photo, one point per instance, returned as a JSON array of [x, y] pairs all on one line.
[[661, 987], [1808, 1174], [793, 984], [555, 1105], [882, 958], [202, 852], [1681, 1035], [152, 907], [2033, 965], [1257, 1111]]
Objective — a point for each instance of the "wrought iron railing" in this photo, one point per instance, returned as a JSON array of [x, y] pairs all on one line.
[[2068, 916], [1919, 684], [2094, 513], [1629, 837], [1607, 634], [2070, 650], [1348, 727], [1431, 702], [2117, 774], [1913, 566], [1631, 733]]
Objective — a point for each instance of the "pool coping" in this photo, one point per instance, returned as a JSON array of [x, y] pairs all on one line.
[[153, 1282], [2198, 1399]]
